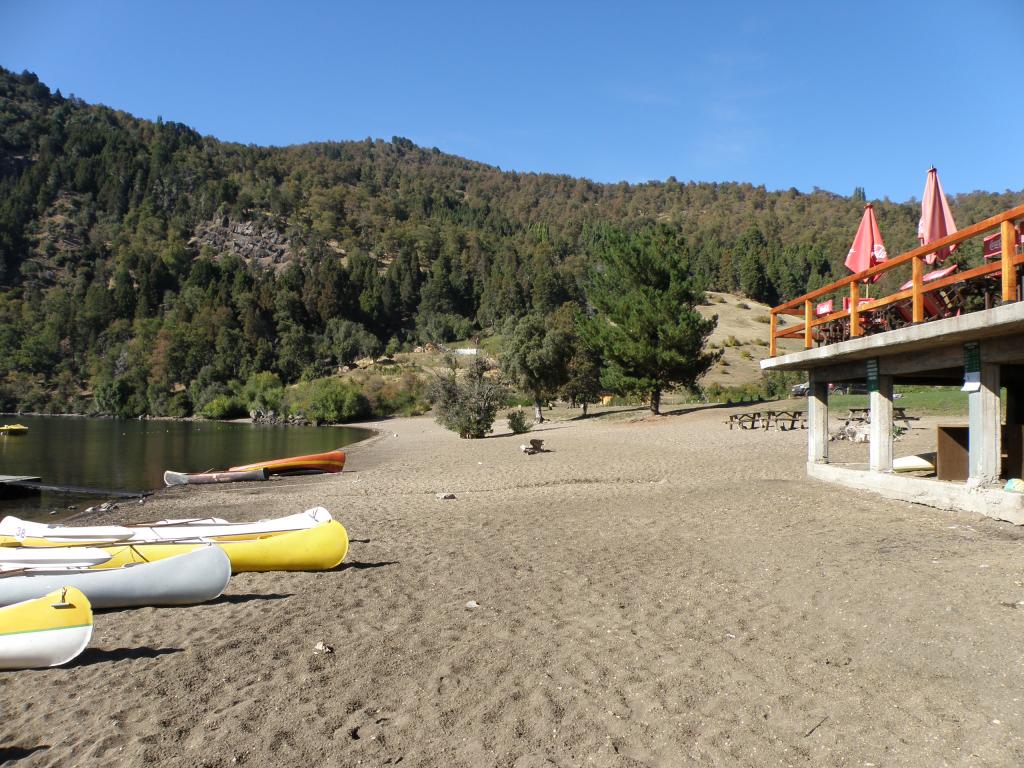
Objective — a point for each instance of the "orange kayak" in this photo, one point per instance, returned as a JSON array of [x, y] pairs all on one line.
[[331, 461]]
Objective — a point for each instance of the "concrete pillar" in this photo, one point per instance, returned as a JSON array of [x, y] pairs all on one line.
[[817, 420], [985, 428], [880, 434]]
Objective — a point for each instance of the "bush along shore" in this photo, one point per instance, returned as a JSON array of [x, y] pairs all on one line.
[[264, 399]]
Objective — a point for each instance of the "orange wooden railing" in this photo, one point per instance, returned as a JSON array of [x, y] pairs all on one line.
[[803, 306]]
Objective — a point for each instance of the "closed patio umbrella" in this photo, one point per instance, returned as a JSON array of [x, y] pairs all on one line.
[[867, 249], [936, 218]]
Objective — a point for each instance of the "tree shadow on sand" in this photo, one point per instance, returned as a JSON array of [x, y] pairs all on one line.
[[547, 426], [13, 754], [681, 411], [602, 414], [100, 656]]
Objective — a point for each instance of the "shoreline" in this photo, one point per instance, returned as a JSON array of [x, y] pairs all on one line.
[[652, 591]]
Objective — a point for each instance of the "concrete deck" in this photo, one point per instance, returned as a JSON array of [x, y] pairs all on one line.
[[990, 502], [1005, 320]]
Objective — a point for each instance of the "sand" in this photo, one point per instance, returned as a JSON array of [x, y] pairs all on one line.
[[661, 592]]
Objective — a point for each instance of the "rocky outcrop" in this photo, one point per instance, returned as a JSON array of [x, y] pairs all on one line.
[[276, 419], [257, 243]]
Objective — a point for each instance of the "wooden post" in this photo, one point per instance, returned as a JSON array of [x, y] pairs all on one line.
[[772, 341], [918, 274], [817, 419], [808, 317], [855, 329], [985, 429], [880, 428], [1009, 236]]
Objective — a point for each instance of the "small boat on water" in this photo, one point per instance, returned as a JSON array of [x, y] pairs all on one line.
[[331, 461], [13, 556], [185, 579], [13, 429], [46, 631], [203, 478], [314, 549], [13, 529]]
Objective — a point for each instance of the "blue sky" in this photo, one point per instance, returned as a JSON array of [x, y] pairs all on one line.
[[801, 94]]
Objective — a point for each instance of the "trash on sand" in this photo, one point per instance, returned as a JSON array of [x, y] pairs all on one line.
[[322, 647], [445, 496], [472, 604], [535, 446]]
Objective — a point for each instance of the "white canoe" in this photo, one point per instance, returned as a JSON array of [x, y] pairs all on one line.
[[161, 531], [924, 462], [50, 557], [206, 478], [46, 631], [187, 579]]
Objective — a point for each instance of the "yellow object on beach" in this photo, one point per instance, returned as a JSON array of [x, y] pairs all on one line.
[[46, 631], [313, 549], [13, 429]]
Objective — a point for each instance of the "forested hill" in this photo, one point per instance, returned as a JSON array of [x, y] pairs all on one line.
[[139, 258]]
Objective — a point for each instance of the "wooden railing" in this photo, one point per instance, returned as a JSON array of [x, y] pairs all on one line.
[[804, 306]]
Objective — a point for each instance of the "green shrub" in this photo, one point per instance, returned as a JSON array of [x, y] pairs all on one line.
[[406, 395], [517, 422], [327, 401], [468, 404], [745, 354], [263, 392], [224, 407], [742, 305]]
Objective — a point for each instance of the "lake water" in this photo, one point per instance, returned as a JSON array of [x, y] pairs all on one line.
[[131, 455]]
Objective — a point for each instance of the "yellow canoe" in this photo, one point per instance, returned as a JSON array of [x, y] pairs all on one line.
[[44, 632], [314, 549], [13, 429]]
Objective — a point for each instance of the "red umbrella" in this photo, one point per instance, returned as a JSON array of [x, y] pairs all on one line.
[[936, 218], [867, 249]]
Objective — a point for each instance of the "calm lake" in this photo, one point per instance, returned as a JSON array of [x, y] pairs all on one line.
[[130, 455]]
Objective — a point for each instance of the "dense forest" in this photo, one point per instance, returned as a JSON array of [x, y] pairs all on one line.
[[145, 268]]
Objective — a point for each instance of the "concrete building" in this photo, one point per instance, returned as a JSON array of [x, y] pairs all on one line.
[[981, 351]]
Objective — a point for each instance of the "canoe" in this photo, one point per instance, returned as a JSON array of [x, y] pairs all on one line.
[[313, 549], [45, 632], [13, 429], [331, 461], [924, 462], [13, 556], [203, 478], [42, 534], [185, 579]]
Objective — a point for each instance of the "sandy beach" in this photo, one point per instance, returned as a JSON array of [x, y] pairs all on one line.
[[652, 592]]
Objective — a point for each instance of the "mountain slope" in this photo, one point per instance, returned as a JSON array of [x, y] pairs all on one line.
[[139, 258]]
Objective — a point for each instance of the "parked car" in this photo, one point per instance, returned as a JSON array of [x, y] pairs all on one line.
[[800, 390]]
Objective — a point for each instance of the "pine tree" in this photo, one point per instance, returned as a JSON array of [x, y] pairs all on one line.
[[645, 322]]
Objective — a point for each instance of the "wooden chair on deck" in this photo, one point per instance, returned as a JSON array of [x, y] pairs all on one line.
[[943, 302]]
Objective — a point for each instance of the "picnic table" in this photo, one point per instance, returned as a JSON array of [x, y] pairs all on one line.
[[791, 419], [858, 416]]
